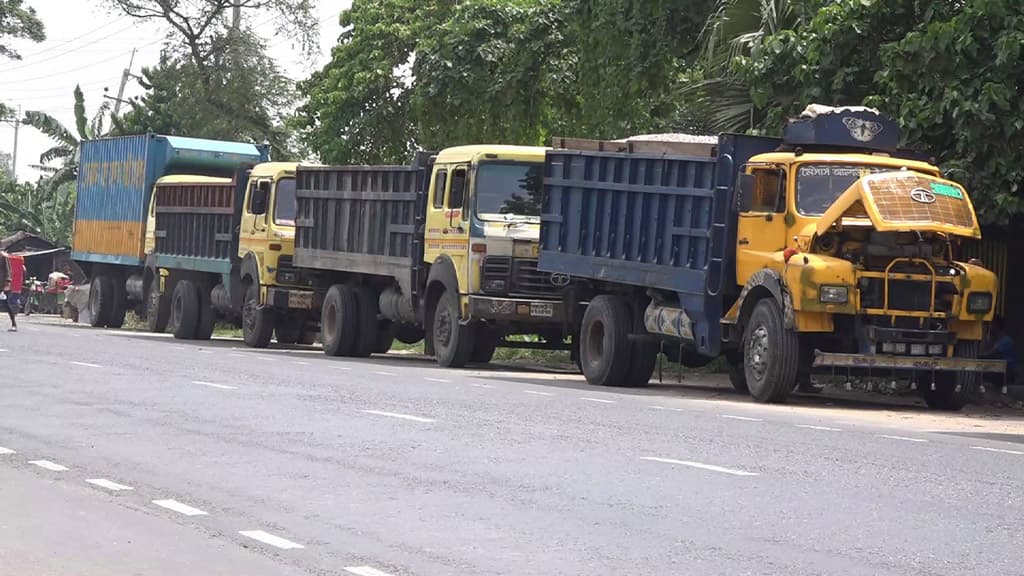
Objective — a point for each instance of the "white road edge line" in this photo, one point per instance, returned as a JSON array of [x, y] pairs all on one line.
[[300, 362], [341, 367], [397, 415], [179, 507], [4, 350], [664, 408], [746, 418], [268, 538], [601, 400], [6, 451], [52, 466], [812, 427], [437, 380], [987, 449], [365, 571], [700, 465], [902, 438], [475, 385], [535, 392], [384, 373], [86, 364], [212, 385], [104, 483]]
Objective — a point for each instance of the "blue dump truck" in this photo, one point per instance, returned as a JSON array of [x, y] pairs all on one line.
[[829, 249], [116, 179]]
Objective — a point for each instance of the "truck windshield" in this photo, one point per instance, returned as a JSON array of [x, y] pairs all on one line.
[[284, 202], [819, 185], [508, 191]]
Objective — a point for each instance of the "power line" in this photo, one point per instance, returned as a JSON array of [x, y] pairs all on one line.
[[59, 54], [79, 37], [93, 64]]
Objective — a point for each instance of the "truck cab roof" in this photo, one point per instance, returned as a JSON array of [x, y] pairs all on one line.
[[500, 151], [272, 169]]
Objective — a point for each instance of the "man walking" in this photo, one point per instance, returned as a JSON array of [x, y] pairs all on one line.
[[15, 269]]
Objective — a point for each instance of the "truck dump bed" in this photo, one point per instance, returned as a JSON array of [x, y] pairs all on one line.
[[195, 218], [115, 180], [359, 219]]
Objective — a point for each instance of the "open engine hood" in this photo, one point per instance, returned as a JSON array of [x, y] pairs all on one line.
[[905, 201]]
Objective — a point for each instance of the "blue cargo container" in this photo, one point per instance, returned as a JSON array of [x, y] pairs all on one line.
[[115, 180]]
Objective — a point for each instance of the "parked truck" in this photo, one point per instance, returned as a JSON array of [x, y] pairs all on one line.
[[444, 249], [187, 230], [829, 249]]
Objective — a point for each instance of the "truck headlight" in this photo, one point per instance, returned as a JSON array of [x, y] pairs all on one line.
[[833, 294], [979, 302]]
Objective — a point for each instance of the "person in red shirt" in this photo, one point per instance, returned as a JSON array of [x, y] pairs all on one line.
[[12, 289]]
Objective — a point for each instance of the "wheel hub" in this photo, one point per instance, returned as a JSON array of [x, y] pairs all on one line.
[[444, 328], [758, 351]]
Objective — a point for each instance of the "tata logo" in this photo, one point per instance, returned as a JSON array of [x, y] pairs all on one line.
[[559, 279], [923, 196], [862, 130]]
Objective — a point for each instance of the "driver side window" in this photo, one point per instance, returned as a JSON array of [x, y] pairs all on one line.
[[769, 193]]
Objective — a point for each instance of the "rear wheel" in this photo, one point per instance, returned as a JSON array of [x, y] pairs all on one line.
[[385, 337], [101, 293], [771, 353], [118, 304], [158, 307], [338, 321], [207, 315], [453, 341], [366, 338], [185, 310], [604, 342], [257, 322], [953, 390]]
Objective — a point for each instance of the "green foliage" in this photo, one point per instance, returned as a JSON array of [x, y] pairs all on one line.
[[68, 142], [18, 21], [42, 208]]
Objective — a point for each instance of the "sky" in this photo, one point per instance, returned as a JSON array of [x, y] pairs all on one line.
[[88, 44]]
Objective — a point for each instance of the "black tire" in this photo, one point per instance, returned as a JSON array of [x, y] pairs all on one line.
[[101, 291], [453, 342], [604, 342], [158, 307], [289, 329], [385, 337], [954, 390], [643, 361], [366, 324], [771, 353], [207, 315], [118, 304], [338, 321], [737, 372], [257, 323], [408, 333], [485, 344], [185, 310]]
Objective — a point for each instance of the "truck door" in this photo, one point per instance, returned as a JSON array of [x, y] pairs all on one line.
[[252, 233], [447, 227], [761, 231]]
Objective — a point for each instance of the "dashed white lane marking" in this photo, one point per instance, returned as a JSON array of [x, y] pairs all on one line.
[[235, 355], [179, 507], [268, 538], [4, 350], [52, 466], [264, 358], [904, 438], [6, 451], [104, 483], [1000, 450], [365, 571], [601, 400], [341, 367], [812, 427], [700, 465], [746, 418], [475, 385], [300, 362], [86, 364], [536, 393], [442, 380], [382, 373], [665, 408], [212, 385], [397, 415], [206, 351]]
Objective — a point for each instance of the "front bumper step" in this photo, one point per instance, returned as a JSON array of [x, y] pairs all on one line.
[[913, 363]]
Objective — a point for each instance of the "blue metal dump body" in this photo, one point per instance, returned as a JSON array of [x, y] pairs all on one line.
[[649, 220]]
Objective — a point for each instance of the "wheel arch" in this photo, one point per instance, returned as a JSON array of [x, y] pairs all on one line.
[[442, 278], [765, 283]]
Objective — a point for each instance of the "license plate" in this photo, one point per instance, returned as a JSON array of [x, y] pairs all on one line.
[[300, 300], [542, 309]]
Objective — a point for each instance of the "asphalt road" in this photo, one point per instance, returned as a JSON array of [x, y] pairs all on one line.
[[124, 453]]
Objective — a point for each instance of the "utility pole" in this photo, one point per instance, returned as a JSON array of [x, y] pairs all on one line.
[[124, 81], [16, 123], [236, 15]]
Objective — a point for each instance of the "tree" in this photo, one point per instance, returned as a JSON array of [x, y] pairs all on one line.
[[43, 208], [68, 142], [18, 21]]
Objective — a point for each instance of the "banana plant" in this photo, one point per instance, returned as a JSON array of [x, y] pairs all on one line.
[[67, 142]]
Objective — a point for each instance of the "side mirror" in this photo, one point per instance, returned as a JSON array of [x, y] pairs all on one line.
[[744, 192], [260, 195]]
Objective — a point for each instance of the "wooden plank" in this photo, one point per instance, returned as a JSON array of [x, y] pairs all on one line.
[[699, 149]]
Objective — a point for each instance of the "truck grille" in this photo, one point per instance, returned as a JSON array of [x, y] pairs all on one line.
[[519, 276], [905, 295]]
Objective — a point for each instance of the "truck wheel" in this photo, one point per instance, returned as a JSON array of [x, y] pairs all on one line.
[[737, 373], [407, 333], [385, 337], [118, 304], [257, 323], [485, 344], [771, 353], [953, 390], [453, 342], [643, 361], [338, 321], [185, 310], [366, 337], [101, 291], [207, 315], [604, 342], [158, 309], [289, 329]]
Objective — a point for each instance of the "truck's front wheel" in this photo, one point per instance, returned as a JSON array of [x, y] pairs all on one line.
[[257, 323], [953, 390], [737, 372], [771, 353], [453, 342]]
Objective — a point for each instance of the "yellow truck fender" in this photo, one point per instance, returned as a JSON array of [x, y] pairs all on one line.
[[762, 284]]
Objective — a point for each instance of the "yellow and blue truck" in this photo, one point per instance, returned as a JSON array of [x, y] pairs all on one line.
[[829, 249]]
